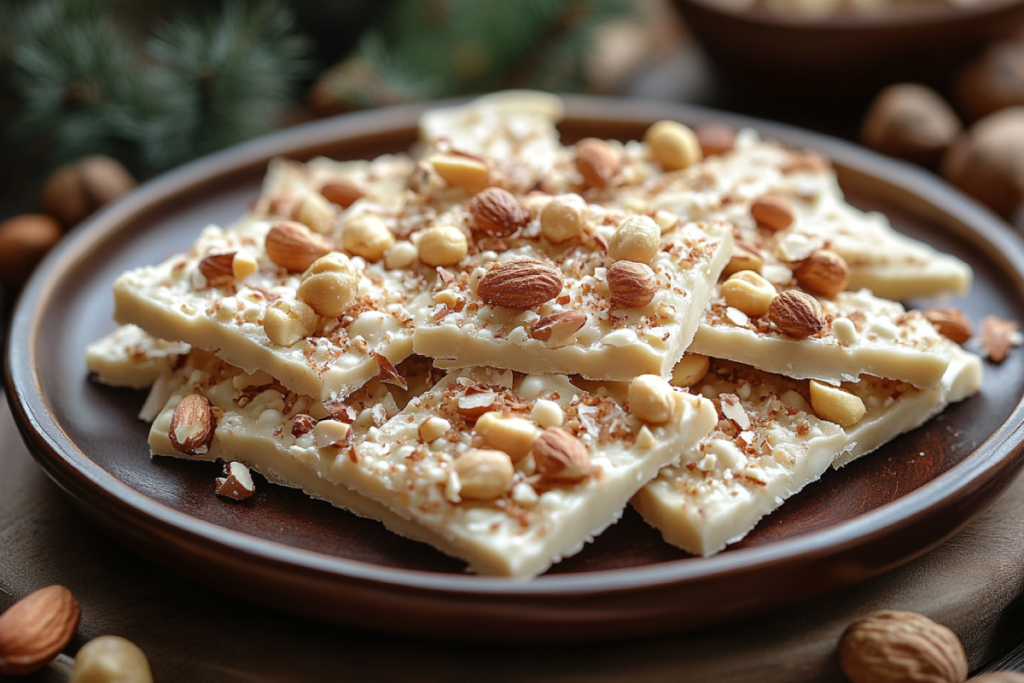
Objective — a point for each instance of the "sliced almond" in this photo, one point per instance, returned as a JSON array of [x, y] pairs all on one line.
[[388, 373], [192, 425], [294, 247], [521, 284], [558, 326], [303, 423]]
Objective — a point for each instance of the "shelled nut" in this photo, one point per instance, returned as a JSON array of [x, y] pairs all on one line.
[[192, 425], [596, 162], [523, 283], [824, 273], [673, 145], [76, 190], [835, 405], [484, 474], [293, 246], [911, 122], [690, 370], [367, 236], [316, 213], [716, 139], [637, 239], [632, 285], [289, 322], [891, 646], [797, 314], [443, 245], [772, 212], [111, 659], [564, 217], [513, 435], [745, 256], [24, 241], [650, 399], [460, 171], [561, 457], [748, 292], [497, 212], [344, 193], [35, 629]]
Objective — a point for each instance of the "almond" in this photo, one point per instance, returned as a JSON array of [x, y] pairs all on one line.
[[558, 326], [824, 273], [294, 247], [797, 314], [344, 193], [560, 457], [772, 212], [35, 629], [303, 423], [497, 211], [520, 284], [632, 284], [192, 425], [716, 139], [596, 162], [891, 646], [388, 374], [472, 406], [236, 483], [218, 269], [997, 337], [951, 323]]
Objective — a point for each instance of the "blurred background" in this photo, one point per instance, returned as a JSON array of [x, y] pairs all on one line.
[[98, 95]]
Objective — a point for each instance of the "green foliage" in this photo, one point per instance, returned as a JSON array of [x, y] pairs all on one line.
[[438, 48], [86, 84]]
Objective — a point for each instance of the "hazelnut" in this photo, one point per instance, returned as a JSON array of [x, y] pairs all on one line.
[[444, 245], [772, 212], [749, 292], [637, 239], [690, 370], [497, 212], [329, 293], [24, 241], [745, 256], [76, 190], [513, 435], [334, 262], [111, 659], [910, 122], [596, 162], [824, 273], [716, 139], [835, 405], [367, 236], [984, 162], [316, 213], [484, 474], [674, 145], [797, 314], [994, 81], [289, 322], [433, 428], [650, 399], [401, 255], [460, 171], [564, 217]]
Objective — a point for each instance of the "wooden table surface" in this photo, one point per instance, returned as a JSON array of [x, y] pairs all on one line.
[[974, 584]]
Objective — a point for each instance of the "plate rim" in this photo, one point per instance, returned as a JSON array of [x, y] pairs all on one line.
[[89, 483]]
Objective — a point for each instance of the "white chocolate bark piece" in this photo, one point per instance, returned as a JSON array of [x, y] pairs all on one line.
[[613, 343], [866, 335], [749, 466], [387, 470], [724, 187], [129, 357], [514, 131], [174, 301]]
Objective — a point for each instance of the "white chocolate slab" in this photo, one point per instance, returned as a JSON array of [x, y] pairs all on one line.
[[743, 474], [614, 344], [173, 301], [386, 472], [129, 357], [866, 335]]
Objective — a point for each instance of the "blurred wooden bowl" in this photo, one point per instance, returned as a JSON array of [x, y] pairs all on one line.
[[848, 53]]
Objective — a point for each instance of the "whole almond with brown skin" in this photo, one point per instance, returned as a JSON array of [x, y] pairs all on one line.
[[560, 457], [192, 425], [294, 247], [24, 241], [632, 285], [797, 314], [558, 325], [891, 646], [951, 323], [824, 273], [76, 190], [217, 269], [715, 139], [772, 212], [344, 193], [520, 284], [35, 629], [497, 211], [596, 162]]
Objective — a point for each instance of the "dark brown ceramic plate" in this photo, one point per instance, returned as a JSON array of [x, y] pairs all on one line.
[[848, 53], [282, 549]]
